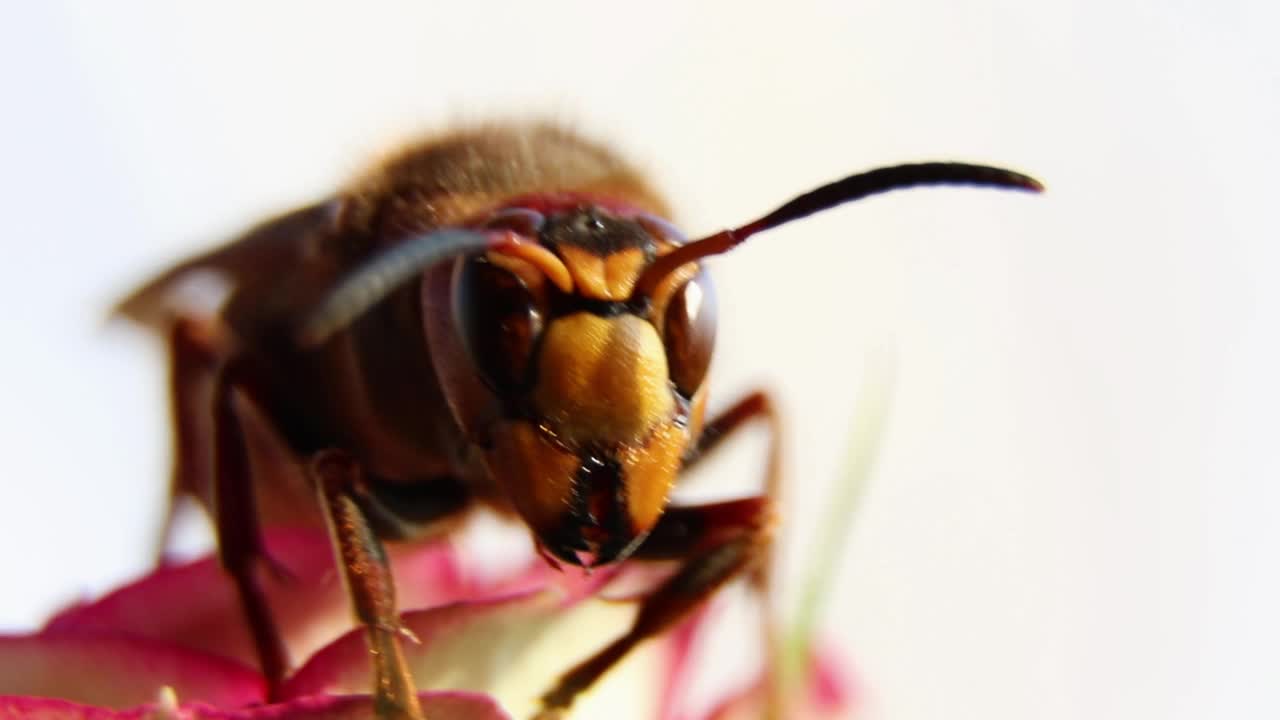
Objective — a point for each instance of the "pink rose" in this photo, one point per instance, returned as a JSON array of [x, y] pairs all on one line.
[[173, 645]]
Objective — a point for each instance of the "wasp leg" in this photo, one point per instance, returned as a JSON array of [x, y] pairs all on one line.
[[192, 365], [718, 542], [757, 405], [235, 515], [339, 483]]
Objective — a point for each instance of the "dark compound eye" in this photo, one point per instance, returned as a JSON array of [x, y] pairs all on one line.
[[499, 322], [689, 332]]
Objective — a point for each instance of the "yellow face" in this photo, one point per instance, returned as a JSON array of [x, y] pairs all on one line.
[[592, 468], [602, 380], [589, 331], [601, 394]]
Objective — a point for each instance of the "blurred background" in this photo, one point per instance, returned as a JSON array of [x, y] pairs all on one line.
[[1074, 509]]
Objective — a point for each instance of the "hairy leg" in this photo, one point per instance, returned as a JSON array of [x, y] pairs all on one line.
[[756, 406], [340, 481]]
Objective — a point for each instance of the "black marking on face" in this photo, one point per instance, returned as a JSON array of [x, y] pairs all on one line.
[[596, 522], [562, 305], [596, 231]]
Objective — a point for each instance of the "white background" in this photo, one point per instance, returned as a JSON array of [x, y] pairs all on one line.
[[1075, 512]]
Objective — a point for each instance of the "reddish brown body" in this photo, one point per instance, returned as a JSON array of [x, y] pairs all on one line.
[[374, 390], [497, 317]]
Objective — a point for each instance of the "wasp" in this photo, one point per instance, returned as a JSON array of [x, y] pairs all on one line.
[[499, 317]]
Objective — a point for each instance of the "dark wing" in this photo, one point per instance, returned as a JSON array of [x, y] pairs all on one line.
[[267, 251]]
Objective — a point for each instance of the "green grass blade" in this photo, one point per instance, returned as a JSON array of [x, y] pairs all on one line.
[[866, 432]]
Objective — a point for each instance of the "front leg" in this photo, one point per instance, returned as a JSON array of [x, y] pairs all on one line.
[[755, 406], [717, 542], [339, 482]]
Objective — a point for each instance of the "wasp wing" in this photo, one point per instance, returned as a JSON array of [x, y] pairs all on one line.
[[265, 251]]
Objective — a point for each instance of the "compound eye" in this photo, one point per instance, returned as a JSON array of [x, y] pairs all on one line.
[[499, 322], [689, 332]]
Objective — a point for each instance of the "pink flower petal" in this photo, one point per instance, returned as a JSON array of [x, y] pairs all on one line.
[[437, 706], [506, 636], [513, 649], [831, 685], [195, 605], [39, 708], [827, 696], [442, 705], [344, 666], [120, 672], [679, 649]]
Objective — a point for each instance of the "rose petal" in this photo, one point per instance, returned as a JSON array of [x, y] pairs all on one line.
[[437, 706], [39, 708], [442, 705], [827, 696], [679, 649], [513, 646], [118, 672], [195, 604], [513, 649], [831, 685]]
